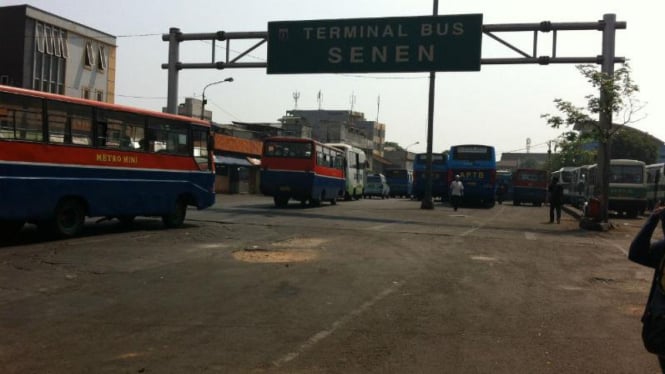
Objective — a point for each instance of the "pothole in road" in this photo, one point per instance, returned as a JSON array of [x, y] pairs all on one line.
[[292, 250]]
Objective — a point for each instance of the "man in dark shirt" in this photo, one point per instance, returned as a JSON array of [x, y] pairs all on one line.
[[555, 191]]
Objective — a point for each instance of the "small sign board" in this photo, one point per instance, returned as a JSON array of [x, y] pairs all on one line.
[[376, 45]]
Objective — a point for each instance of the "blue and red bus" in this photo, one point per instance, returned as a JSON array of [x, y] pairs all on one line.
[[439, 175], [63, 159], [530, 186], [301, 169], [476, 166]]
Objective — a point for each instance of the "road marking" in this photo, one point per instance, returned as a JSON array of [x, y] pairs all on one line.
[[529, 235], [336, 325], [615, 245], [471, 230]]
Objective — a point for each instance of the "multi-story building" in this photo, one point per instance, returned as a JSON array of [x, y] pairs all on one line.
[[45, 52]]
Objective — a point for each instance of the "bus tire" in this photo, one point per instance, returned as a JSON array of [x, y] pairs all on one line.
[[8, 229], [177, 216], [68, 219]]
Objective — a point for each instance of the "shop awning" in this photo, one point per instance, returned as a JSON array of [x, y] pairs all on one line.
[[254, 161], [232, 160]]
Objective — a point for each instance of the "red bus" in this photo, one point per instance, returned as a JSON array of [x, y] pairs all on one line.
[[530, 186], [301, 169], [64, 158]]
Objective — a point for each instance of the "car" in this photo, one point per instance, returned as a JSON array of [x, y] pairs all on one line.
[[376, 186]]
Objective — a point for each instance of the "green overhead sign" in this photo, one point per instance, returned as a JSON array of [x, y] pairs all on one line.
[[376, 45]]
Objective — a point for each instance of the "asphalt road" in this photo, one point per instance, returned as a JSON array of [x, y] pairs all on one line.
[[369, 286]]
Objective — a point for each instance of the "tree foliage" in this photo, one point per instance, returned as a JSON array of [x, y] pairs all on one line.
[[583, 131]]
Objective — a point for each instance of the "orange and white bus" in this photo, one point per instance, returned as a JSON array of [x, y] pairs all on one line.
[[63, 159]]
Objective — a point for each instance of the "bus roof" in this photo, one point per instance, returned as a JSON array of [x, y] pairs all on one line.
[[100, 104]]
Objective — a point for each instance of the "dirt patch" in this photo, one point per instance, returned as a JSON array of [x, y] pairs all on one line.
[[291, 250], [275, 256]]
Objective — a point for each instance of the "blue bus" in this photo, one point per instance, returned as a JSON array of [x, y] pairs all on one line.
[[439, 175], [400, 182], [476, 165]]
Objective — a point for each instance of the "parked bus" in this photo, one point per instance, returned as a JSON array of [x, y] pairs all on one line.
[[355, 173], [439, 175], [301, 169], [565, 176], [655, 185], [530, 186], [400, 182], [476, 165], [64, 158], [627, 186]]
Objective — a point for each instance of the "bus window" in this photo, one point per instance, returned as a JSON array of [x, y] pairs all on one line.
[[20, 118], [69, 123], [120, 130], [200, 145], [167, 136]]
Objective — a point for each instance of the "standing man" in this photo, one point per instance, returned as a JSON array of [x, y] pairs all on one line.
[[555, 190], [456, 192]]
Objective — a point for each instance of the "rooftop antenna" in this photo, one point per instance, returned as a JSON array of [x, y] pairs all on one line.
[[353, 100], [528, 145], [319, 98], [296, 96], [378, 106]]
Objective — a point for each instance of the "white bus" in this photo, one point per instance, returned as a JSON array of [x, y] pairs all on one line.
[[655, 185], [355, 172], [627, 186]]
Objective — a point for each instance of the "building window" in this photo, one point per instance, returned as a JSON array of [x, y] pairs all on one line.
[[62, 39], [49, 39], [100, 95], [40, 39], [102, 58], [89, 55], [49, 64], [85, 93]]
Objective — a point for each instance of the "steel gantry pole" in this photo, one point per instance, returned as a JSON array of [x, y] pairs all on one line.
[[174, 56], [605, 115]]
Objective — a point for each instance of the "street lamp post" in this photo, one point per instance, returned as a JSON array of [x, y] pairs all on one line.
[[410, 145], [203, 96]]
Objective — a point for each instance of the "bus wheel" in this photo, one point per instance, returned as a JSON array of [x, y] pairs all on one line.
[[10, 228], [281, 201], [176, 217], [333, 201], [69, 218]]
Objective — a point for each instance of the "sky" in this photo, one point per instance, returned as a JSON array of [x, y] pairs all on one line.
[[500, 105]]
